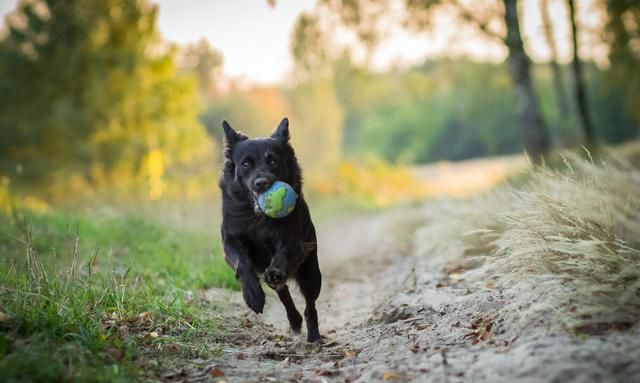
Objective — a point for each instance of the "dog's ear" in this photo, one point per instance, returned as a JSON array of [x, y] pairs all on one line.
[[282, 131], [232, 136]]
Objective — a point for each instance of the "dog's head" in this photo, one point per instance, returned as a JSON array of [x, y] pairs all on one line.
[[255, 164]]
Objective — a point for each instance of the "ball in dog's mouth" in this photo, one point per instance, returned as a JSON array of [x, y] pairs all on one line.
[[278, 201]]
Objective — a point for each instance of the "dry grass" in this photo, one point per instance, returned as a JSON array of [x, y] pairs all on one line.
[[565, 247], [458, 228]]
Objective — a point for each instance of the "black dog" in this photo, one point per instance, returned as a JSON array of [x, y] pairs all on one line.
[[253, 243]]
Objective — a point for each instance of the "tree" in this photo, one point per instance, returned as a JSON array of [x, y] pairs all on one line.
[[418, 16], [205, 61], [87, 86], [534, 133], [579, 89], [562, 106], [623, 39], [309, 47]]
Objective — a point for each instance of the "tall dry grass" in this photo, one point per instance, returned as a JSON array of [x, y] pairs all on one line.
[[564, 248]]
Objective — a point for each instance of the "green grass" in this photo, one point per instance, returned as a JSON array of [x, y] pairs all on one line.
[[91, 299]]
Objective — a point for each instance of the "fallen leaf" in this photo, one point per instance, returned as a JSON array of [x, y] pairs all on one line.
[[481, 329], [350, 354], [170, 347], [153, 334], [455, 277], [389, 375], [216, 372], [4, 317], [115, 353]]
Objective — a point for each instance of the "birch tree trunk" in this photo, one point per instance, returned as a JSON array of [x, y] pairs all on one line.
[[533, 130], [562, 105], [579, 89]]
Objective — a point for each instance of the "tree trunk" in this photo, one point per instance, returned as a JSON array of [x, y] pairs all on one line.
[[562, 106], [533, 130], [579, 90]]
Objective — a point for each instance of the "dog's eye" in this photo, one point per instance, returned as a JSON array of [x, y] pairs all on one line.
[[273, 162], [246, 164]]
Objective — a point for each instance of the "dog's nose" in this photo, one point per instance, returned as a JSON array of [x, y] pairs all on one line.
[[261, 184]]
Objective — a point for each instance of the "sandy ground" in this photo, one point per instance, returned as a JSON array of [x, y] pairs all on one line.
[[389, 315]]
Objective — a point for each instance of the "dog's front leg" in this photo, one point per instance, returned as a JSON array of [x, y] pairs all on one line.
[[288, 257], [236, 255]]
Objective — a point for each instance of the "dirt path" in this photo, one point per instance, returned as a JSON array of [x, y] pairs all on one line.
[[391, 316]]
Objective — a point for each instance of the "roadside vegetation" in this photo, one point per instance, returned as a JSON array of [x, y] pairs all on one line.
[[90, 299], [562, 246]]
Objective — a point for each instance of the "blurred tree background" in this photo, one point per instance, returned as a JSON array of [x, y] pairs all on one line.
[[92, 98], [91, 95]]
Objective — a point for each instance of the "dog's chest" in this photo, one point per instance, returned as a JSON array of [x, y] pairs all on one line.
[[258, 228]]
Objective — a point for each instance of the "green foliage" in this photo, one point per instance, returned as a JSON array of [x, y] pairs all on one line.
[[239, 110], [619, 87], [75, 288], [309, 46], [444, 110], [453, 110], [205, 62], [462, 109], [318, 116], [612, 102], [88, 88]]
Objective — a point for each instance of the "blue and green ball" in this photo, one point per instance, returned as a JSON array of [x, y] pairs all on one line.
[[278, 201]]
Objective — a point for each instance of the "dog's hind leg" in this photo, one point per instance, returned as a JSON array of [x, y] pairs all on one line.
[[295, 319], [310, 281]]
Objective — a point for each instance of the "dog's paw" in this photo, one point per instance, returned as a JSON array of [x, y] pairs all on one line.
[[314, 338], [275, 278], [295, 323], [253, 296]]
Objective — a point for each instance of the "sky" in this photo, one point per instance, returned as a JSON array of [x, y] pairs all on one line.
[[254, 37]]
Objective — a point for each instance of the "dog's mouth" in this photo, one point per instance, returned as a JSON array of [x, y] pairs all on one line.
[[256, 205]]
